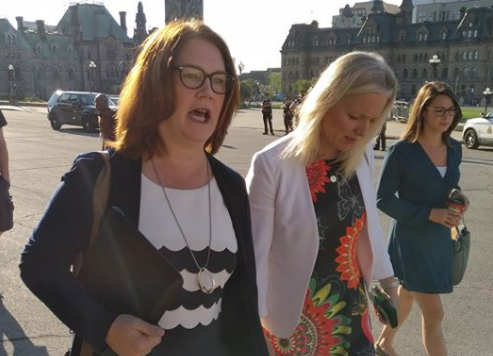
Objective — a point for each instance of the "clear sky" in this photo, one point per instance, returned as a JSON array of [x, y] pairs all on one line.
[[255, 30]]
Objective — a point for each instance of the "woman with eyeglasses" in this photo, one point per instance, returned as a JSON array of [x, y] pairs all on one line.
[[417, 176], [175, 108]]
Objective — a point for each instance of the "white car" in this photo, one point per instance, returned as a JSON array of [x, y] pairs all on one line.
[[478, 132]]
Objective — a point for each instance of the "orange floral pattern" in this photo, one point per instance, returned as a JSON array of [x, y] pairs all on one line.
[[316, 173], [347, 260]]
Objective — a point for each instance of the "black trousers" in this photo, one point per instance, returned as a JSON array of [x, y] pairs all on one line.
[[267, 116]]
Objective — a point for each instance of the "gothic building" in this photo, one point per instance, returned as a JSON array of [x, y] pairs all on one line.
[[463, 46], [178, 9], [87, 50]]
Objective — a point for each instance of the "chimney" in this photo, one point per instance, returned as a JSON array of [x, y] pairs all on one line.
[[377, 6], [20, 23], [41, 27], [123, 20]]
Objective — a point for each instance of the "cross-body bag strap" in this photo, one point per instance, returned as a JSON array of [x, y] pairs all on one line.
[[99, 201]]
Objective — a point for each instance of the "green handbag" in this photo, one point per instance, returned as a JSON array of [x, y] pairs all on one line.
[[383, 305], [460, 257]]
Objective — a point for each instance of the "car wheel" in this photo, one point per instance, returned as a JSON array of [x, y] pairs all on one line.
[[55, 123], [89, 123], [471, 139]]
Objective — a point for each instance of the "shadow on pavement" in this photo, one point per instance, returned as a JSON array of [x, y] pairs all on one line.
[[12, 333]]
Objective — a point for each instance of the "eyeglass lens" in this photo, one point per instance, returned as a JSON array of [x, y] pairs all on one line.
[[194, 78], [441, 111]]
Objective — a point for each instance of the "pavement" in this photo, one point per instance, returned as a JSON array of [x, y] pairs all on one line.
[[393, 132]]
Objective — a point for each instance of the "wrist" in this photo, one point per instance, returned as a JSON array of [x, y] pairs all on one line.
[[388, 283]]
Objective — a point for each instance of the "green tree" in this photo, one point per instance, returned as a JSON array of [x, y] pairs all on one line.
[[248, 88], [275, 82], [303, 85]]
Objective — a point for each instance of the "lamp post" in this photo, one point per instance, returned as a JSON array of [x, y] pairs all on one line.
[[241, 66], [434, 62], [11, 71], [487, 93], [92, 72]]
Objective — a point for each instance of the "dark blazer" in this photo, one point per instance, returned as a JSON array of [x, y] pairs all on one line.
[[64, 230]]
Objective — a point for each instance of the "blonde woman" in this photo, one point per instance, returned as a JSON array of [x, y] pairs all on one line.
[[318, 240], [417, 175]]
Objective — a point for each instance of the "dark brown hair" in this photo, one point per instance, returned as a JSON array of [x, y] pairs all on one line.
[[426, 95], [147, 97]]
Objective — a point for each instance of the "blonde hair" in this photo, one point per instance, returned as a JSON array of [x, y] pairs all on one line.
[[354, 73], [426, 95], [147, 97]]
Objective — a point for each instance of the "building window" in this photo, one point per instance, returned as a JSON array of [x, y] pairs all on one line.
[[54, 49], [476, 55], [404, 73], [443, 36], [316, 41], [71, 75], [111, 51]]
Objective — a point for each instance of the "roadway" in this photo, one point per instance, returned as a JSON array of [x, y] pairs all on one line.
[[39, 156]]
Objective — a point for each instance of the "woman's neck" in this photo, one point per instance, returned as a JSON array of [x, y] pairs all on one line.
[[184, 170], [431, 139]]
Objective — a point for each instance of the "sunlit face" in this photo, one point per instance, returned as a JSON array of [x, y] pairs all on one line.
[[197, 110], [349, 121], [439, 114]]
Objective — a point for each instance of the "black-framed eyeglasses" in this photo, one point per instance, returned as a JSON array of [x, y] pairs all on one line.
[[440, 112], [193, 78]]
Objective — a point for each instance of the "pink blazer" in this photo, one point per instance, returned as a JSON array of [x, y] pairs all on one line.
[[286, 237]]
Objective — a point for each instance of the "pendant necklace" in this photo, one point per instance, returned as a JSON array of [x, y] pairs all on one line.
[[205, 279]]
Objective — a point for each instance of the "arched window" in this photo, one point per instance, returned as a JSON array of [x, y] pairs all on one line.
[[111, 51], [456, 72], [424, 73], [444, 73], [71, 73], [414, 73], [54, 49], [405, 73], [474, 72]]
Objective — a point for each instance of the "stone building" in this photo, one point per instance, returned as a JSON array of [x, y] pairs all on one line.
[[87, 50], [178, 9], [463, 48]]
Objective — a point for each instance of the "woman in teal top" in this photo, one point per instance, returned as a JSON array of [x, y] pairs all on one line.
[[417, 175]]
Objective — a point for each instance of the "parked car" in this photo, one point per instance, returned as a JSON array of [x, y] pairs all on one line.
[[74, 108], [478, 131]]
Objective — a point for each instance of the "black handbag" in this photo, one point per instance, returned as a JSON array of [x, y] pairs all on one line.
[[460, 257]]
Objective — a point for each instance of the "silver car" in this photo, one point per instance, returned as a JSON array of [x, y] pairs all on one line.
[[478, 131]]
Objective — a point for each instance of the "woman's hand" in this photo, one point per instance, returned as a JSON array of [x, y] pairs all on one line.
[[131, 336], [445, 217]]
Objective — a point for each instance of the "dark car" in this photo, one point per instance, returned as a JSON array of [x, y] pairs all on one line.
[[73, 108]]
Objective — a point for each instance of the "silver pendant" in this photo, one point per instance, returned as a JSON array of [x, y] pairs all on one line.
[[206, 282], [333, 178]]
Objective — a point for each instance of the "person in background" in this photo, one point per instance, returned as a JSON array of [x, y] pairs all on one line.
[[6, 204], [295, 105], [106, 119], [316, 229], [381, 140], [417, 176], [287, 115], [176, 106], [267, 114]]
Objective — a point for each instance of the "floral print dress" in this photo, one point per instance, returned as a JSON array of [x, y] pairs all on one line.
[[335, 319]]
